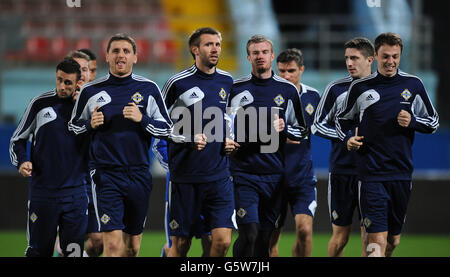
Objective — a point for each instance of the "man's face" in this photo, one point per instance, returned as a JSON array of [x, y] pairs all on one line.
[[66, 83], [261, 57], [208, 52], [291, 72], [85, 73], [121, 58], [358, 66], [388, 59], [93, 70]]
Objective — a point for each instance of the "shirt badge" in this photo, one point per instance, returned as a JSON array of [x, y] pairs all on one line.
[[406, 94], [33, 217], [137, 97], [223, 94], [105, 219], [279, 100], [309, 109]]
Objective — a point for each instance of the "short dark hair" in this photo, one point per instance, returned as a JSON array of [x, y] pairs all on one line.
[[194, 38], [77, 55], [69, 66], [122, 36], [389, 39], [362, 44], [88, 52], [292, 54]]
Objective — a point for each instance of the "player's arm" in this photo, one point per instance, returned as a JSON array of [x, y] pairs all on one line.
[[297, 128], [325, 114], [230, 145], [347, 115], [159, 149], [18, 143], [156, 119], [422, 116], [85, 116]]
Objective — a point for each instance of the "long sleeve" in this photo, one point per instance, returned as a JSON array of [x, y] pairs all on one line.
[[83, 109], [156, 120], [424, 117], [159, 149], [324, 119], [295, 120], [24, 131]]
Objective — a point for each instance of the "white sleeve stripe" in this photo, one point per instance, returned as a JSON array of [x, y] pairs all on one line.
[[176, 77]]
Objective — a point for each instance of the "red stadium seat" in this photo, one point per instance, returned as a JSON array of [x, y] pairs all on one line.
[[60, 47], [38, 49], [164, 51], [143, 48], [82, 43]]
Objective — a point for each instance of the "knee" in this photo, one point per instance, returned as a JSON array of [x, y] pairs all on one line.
[[340, 240], [222, 243], [132, 251], [304, 231], [94, 246], [182, 245], [393, 241]]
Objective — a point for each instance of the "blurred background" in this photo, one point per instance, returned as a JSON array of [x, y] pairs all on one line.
[[36, 34]]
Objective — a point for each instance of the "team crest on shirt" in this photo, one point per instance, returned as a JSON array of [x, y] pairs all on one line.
[[223, 94], [173, 224], [279, 100], [33, 217], [335, 215], [406, 94], [309, 109], [105, 218], [241, 212], [137, 97], [367, 222]]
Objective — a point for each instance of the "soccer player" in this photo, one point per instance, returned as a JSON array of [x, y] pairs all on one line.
[[159, 149], [300, 188], [343, 176], [122, 111], [57, 166], [261, 101], [94, 239], [92, 63], [199, 174], [390, 106], [83, 60]]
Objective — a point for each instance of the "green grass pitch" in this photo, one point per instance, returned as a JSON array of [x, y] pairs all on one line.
[[13, 244]]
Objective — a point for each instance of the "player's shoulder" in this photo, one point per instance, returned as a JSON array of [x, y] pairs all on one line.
[[182, 75], [93, 84], [141, 79], [342, 82], [308, 89], [362, 83], [224, 73], [283, 82], [411, 78], [242, 80], [43, 97]]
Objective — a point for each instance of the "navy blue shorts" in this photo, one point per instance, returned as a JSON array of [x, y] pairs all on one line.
[[257, 202], [342, 198], [46, 216], [188, 202], [121, 198], [301, 197], [383, 205], [92, 216], [199, 228]]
